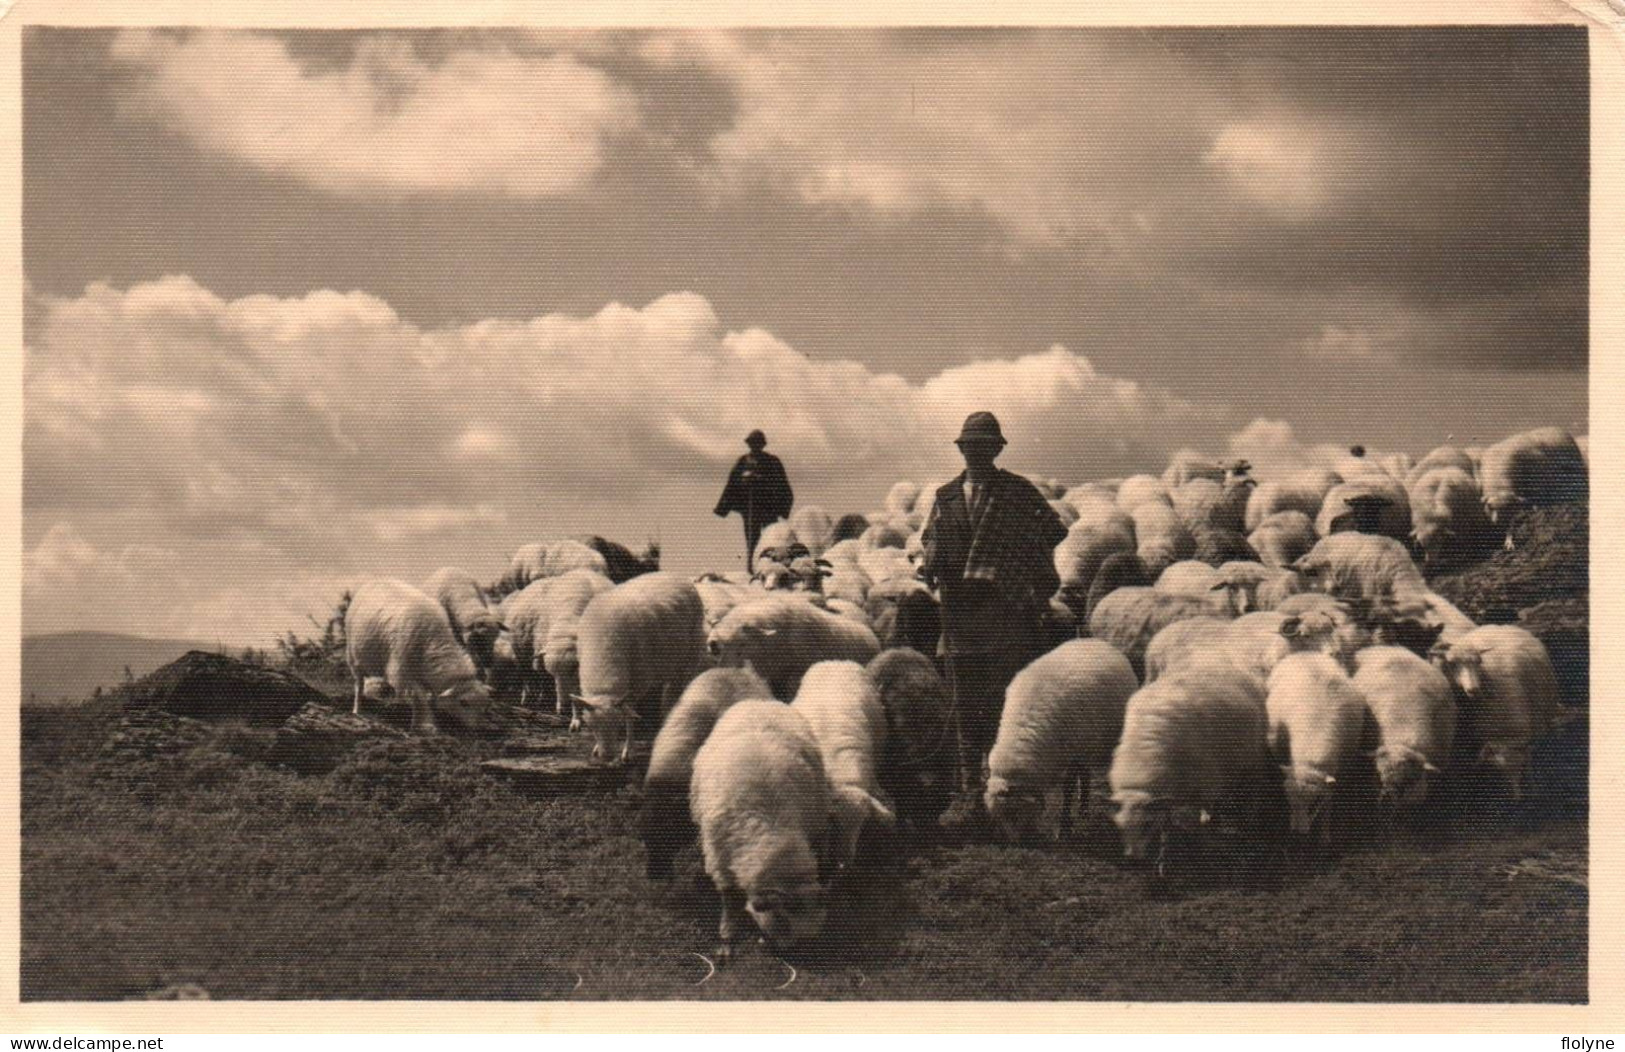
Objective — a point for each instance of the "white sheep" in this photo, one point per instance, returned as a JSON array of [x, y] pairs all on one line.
[[645, 636], [885, 564], [814, 527], [719, 595], [532, 562], [474, 623], [1062, 717], [1534, 469], [842, 706], [1128, 618], [1283, 538], [394, 631], [1188, 464], [843, 555], [1414, 711], [1360, 565], [1190, 741], [1374, 501], [1512, 695], [1254, 586], [781, 637], [1441, 457], [1079, 555], [663, 819], [1447, 515], [851, 585], [551, 610], [1160, 538], [1301, 491], [760, 799], [1254, 643], [1316, 723], [1188, 577], [1138, 489], [774, 535]]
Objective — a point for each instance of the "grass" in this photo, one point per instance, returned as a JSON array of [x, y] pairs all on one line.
[[408, 873]]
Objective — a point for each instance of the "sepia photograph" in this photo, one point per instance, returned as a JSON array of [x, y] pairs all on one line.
[[905, 513]]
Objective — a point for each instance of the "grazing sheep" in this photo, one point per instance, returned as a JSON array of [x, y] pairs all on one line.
[[1161, 539], [1301, 491], [1534, 469], [1138, 489], [1427, 608], [473, 623], [1079, 555], [1129, 618], [1316, 721], [1441, 457], [1360, 566], [663, 819], [1188, 464], [1191, 741], [522, 612], [760, 799], [1371, 503], [1254, 643], [394, 631], [1119, 570], [1062, 717], [902, 498], [1414, 709], [644, 637], [1188, 578], [842, 705], [554, 635], [1216, 546], [780, 638], [814, 527], [1283, 538], [532, 562], [1448, 521], [1512, 695], [904, 613]]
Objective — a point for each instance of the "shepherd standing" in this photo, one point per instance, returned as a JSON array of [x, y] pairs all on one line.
[[759, 490]]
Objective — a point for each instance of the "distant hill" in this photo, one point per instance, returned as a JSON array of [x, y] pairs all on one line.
[[68, 666]]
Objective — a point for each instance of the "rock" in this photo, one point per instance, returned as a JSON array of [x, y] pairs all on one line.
[[317, 737], [154, 736], [208, 686], [552, 775]]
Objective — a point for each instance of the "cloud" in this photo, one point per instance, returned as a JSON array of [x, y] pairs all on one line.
[[1273, 449], [325, 436], [483, 120], [1296, 169]]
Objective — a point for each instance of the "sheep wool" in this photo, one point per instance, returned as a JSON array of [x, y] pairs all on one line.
[[1536, 469], [1138, 489], [1062, 717], [1188, 464], [1360, 565], [902, 498], [760, 799], [1189, 740], [663, 820], [642, 637], [555, 639], [842, 706], [1512, 695], [1338, 514], [1129, 618], [1161, 539], [1283, 538], [1188, 578], [1080, 554], [781, 637], [1414, 709], [396, 632], [814, 527], [1447, 515], [1441, 457], [1301, 491], [1316, 720], [535, 561]]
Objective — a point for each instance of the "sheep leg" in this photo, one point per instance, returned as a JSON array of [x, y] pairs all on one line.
[[359, 681], [422, 713], [733, 917], [626, 733]]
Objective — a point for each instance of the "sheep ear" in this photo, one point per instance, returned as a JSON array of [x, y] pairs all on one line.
[[1427, 765], [1291, 626], [1216, 586]]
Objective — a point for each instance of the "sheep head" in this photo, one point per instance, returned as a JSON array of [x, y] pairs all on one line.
[[1015, 810], [1403, 774]]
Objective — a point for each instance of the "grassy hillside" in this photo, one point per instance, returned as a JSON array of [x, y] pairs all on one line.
[[408, 872], [67, 666]]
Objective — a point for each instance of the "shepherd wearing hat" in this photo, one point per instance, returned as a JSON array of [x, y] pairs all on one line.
[[989, 551], [759, 490]]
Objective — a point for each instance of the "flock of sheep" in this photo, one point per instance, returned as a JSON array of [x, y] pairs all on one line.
[[1214, 641]]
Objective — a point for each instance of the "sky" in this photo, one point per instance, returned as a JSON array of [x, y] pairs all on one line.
[[309, 307]]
